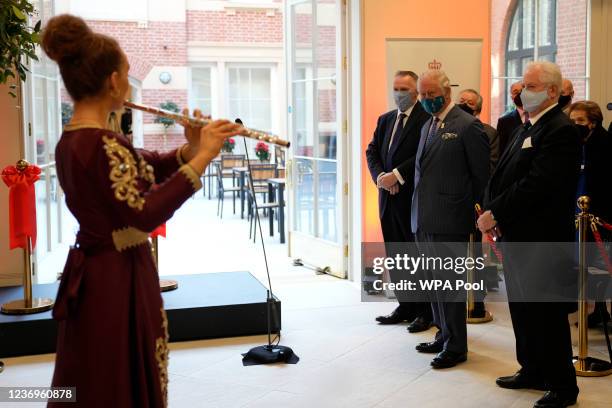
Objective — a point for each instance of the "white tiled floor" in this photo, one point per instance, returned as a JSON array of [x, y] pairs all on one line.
[[346, 359]]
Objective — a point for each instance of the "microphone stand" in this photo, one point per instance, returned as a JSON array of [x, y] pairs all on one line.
[[269, 353]]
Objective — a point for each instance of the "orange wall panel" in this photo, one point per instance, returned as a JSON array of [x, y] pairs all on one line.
[[382, 19]]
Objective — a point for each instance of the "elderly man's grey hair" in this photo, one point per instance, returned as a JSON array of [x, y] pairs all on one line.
[[436, 75], [550, 73]]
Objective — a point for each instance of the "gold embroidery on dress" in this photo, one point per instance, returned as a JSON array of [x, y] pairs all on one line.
[[161, 355], [128, 237], [192, 176], [145, 170], [123, 173]]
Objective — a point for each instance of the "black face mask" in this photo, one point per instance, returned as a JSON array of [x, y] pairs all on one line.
[[564, 100], [466, 108], [517, 100], [584, 131]]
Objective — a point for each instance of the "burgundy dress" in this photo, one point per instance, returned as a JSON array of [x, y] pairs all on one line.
[[113, 332]]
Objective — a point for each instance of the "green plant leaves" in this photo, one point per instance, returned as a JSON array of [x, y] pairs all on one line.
[[18, 13], [18, 39]]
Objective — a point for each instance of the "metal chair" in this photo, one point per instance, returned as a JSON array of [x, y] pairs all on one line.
[[221, 190]]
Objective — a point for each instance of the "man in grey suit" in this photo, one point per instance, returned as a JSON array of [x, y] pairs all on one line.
[[451, 172]]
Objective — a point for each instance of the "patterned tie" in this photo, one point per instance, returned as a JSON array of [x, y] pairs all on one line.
[[432, 132]]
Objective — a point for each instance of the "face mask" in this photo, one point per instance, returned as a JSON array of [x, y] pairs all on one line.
[[564, 100], [403, 100], [532, 100], [584, 131], [433, 105], [466, 108], [517, 101]]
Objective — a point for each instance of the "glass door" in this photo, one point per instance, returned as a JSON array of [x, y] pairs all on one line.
[[42, 116], [315, 74]]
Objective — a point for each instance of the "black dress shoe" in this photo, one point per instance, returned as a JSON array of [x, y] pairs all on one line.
[[419, 324], [397, 316], [448, 359], [520, 381], [556, 399], [433, 347]]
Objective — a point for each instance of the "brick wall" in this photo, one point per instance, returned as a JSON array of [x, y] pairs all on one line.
[[571, 33], [243, 26], [572, 41], [159, 43], [173, 139]]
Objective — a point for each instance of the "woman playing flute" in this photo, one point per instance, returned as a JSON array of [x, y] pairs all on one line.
[[113, 332]]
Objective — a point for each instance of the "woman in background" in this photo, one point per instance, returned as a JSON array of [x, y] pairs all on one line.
[[595, 174], [113, 332]]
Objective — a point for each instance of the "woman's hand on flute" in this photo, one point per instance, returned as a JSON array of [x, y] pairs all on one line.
[[192, 135], [211, 140]]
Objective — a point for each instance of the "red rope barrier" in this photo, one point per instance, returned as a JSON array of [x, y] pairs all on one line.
[[601, 247]]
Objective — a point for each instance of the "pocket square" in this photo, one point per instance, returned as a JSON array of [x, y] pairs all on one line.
[[527, 143], [448, 136]]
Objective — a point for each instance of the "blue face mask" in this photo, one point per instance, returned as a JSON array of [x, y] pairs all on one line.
[[433, 105], [403, 100]]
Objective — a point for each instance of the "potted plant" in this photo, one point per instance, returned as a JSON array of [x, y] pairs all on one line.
[[262, 151], [228, 145], [166, 122], [17, 40]]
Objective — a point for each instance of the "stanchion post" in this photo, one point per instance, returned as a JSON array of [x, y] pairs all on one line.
[[470, 276], [470, 293], [27, 305], [165, 285], [585, 366]]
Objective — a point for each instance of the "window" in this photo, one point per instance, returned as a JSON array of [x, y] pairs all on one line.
[[249, 96], [521, 48], [552, 30], [42, 113], [200, 96]]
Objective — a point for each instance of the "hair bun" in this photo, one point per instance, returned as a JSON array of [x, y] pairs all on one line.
[[66, 36]]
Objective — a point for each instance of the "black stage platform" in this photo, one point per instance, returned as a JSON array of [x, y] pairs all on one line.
[[204, 306]]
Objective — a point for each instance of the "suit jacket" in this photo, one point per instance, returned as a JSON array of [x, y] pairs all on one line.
[[598, 168], [404, 153], [493, 145], [506, 125], [532, 192], [453, 172]]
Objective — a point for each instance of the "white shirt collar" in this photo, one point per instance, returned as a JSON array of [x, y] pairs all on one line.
[[406, 112], [535, 118]]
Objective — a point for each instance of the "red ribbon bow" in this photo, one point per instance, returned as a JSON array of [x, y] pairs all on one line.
[[22, 204]]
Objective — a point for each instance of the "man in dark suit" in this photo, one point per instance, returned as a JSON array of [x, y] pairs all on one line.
[[451, 171], [531, 198], [508, 123], [390, 157], [471, 102]]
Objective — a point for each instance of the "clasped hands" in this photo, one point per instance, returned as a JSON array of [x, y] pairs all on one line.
[[389, 182]]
